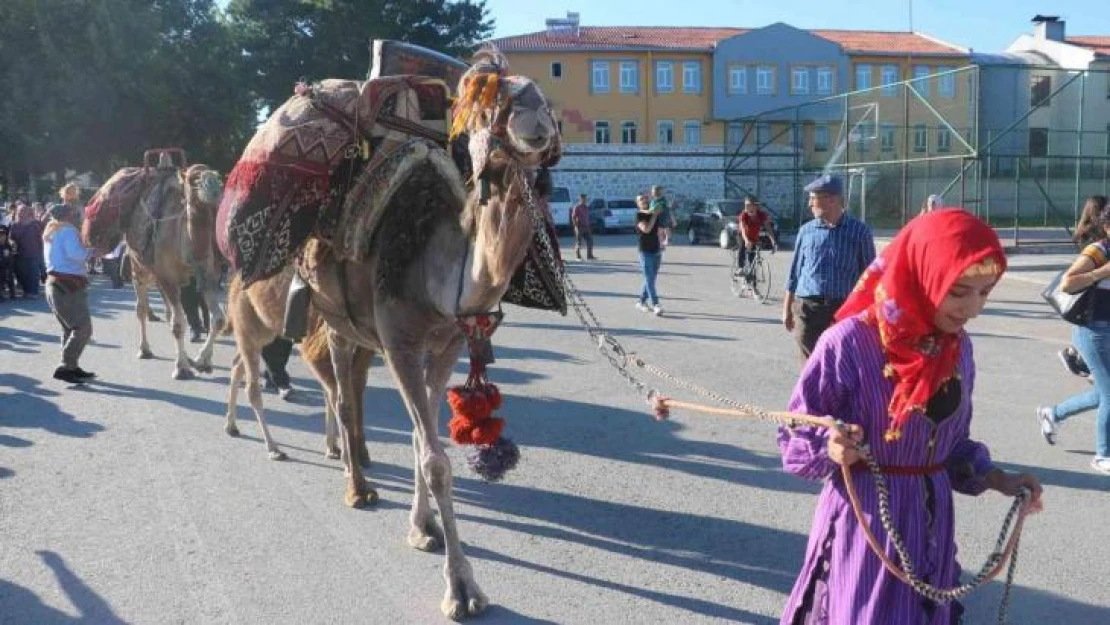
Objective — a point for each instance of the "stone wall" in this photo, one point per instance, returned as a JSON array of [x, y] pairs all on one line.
[[616, 171]]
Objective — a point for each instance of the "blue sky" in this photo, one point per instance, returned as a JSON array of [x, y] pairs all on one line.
[[985, 25]]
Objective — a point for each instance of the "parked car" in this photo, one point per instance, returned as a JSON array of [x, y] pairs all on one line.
[[560, 204], [717, 221], [612, 215]]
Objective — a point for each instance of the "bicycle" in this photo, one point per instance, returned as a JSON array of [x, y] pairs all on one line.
[[754, 279]]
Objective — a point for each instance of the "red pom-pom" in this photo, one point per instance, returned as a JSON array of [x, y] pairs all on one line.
[[469, 403], [487, 432]]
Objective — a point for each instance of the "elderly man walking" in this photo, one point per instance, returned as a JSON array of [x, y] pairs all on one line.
[[830, 253], [67, 290]]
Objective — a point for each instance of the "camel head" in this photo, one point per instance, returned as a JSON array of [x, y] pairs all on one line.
[[202, 186], [507, 118]]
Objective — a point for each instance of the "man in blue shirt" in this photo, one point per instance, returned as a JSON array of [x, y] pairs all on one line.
[[830, 253]]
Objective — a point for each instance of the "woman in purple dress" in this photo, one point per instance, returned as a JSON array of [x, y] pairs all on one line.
[[898, 370]]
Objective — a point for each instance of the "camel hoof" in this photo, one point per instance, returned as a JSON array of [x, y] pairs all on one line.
[[470, 602], [361, 500], [277, 455], [423, 540], [145, 354], [183, 374], [333, 453], [231, 430], [203, 368]]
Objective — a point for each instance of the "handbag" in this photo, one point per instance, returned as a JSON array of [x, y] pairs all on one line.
[[1073, 307]]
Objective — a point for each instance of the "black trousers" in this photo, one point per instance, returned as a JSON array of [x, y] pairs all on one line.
[[276, 356], [812, 316], [196, 310]]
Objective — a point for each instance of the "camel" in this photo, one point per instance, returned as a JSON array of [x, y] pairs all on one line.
[[170, 234], [403, 301]]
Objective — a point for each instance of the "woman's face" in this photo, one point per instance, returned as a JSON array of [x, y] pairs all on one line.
[[964, 302], [642, 203]]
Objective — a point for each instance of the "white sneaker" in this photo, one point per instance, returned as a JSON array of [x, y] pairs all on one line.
[[657, 310], [1101, 464], [1047, 418], [642, 307]]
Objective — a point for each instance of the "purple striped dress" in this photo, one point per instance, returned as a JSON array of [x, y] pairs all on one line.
[[842, 582]]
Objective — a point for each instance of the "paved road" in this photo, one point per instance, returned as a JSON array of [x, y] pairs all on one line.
[[126, 502]]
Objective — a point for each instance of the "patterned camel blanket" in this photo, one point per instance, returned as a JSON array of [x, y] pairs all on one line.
[[115, 197], [297, 169]]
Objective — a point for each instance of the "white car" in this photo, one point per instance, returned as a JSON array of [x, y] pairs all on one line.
[[560, 204], [613, 215]]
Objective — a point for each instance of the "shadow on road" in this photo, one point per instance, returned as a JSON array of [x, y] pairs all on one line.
[[26, 408], [21, 605], [1059, 477]]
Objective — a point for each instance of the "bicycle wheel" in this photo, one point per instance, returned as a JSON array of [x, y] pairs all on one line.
[[735, 275], [761, 284]]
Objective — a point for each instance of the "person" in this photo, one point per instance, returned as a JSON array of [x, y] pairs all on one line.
[[275, 356], [67, 290], [7, 265], [1087, 231], [112, 267], [666, 219], [580, 219], [898, 371], [932, 203], [1090, 269], [651, 256], [196, 310], [830, 253], [753, 220], [26, 234]]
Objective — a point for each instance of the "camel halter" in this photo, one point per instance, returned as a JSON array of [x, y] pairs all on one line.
[[1006, 549]]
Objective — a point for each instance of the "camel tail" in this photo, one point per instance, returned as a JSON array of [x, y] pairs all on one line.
[[314, 347]]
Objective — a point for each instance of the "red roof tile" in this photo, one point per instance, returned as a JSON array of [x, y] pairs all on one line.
[[1100, 45], [698, 38]]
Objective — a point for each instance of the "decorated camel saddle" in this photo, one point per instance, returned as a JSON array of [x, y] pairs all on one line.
[[327, 162], [126, 188]]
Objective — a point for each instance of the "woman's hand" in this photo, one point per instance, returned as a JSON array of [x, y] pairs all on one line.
[[1010, 484], [843, 445]]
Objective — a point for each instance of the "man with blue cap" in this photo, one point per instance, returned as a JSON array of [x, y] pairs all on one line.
[[830, 253]]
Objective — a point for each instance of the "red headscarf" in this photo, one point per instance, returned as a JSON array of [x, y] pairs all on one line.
[[900, 293]]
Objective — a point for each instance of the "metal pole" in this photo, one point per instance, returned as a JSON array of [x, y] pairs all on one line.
[[986, 183], [1079, 146], [1017, 198], [905, 150]]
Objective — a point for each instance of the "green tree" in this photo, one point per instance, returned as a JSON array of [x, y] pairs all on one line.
[[285, 40]]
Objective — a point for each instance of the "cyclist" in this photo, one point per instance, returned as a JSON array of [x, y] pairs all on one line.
[[753, 220]]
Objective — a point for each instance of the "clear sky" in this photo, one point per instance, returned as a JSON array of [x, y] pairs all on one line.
[[985, 25]]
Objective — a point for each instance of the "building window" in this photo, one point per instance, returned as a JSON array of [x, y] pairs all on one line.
[[630, 77], [799, 80], [821, 138], [764, 80], [556, 70], [1038, 142], [691, 78], [601, 132], [824, 80], [738, 79], [944, 140], [600, 74], [691, 131], [664, 77], [921, 79], [762, 134], [736, 133], [920, 138], [863, 77], [946, 83], [628, 132], [886, 138], [890, 78], [1040, 88], [665, 132]]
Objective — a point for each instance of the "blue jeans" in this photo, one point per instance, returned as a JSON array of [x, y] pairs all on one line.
[[649, 264], [1093, 343], [28, 270]]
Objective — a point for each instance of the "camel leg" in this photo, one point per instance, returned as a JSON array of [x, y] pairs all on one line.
[[251, 363], [142, 311], [331, 431], [463, 597], [363, 358], [216, 320], [182, 367], [424, 533], [359, 492], [237, 374]]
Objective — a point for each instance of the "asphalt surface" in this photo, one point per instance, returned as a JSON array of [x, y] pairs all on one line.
[[125, 502]]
